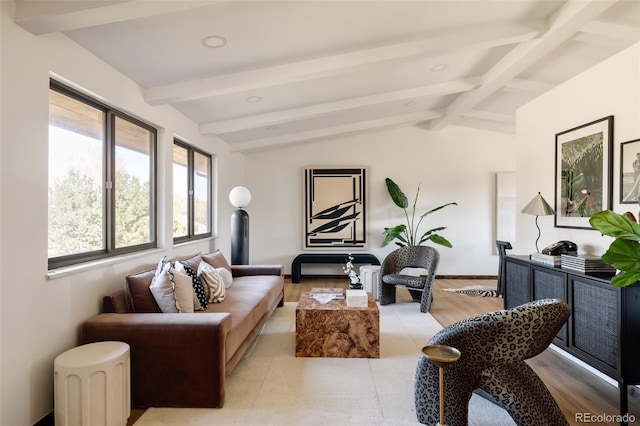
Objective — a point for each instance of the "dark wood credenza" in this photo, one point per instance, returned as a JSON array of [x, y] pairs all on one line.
[[604, 327]]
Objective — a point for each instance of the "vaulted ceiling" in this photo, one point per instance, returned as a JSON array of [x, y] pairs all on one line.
[[264, 74]]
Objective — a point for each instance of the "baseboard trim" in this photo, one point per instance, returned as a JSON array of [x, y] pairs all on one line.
[[442, 277]]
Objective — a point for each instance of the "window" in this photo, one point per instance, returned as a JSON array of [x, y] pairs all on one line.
[[191, 193], [101, 180]]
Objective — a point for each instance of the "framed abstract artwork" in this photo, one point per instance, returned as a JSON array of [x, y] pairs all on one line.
[[583, 184], [630, 172], [335, 208]]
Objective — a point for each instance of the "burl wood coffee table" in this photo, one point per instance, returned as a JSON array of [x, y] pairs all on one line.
[[334, 330]]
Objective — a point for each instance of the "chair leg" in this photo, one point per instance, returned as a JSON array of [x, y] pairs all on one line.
[[427, 298], [388, 294]]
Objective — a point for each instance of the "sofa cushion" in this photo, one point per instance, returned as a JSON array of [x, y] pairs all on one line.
[[217, 260], [193, 261], [212, 281], [137, 292]]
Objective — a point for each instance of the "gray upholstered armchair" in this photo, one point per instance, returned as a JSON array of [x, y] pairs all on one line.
[[494, 347], [413, 267]]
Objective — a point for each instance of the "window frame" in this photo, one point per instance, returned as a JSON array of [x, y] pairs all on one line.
[[109, 249], [191, 150]]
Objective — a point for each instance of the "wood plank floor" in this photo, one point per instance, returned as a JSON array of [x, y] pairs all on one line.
[[576, 389]]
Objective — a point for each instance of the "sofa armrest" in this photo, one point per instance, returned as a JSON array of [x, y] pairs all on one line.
[[177, 360], [248, 270]]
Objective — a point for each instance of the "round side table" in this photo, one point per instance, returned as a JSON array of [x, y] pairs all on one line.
[[92, 385], [441, 356]]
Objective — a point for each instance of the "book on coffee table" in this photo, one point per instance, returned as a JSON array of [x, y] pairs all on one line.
[[338, 293]]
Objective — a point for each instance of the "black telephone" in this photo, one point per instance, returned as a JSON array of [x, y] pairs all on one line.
[[561, 247]]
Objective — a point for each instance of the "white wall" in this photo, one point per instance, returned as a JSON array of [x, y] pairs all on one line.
[[610, 88], [455, 164], [40, 317]]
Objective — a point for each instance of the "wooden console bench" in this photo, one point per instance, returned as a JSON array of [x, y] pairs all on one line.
[[341, 258]]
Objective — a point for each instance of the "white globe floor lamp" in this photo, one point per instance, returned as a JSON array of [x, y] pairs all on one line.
[[240, 197]]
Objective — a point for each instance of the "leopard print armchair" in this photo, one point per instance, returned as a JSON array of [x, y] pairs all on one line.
[[423, 257], [493, 349]]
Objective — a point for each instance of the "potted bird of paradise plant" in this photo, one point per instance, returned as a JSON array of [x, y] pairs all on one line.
[[408, 234]]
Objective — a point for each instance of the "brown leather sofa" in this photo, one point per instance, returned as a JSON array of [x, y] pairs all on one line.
[[182, 359]]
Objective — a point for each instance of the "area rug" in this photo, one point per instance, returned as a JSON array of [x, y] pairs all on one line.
[[270, 386], [475, 291]]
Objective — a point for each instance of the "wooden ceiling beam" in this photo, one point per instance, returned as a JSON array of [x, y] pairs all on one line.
[[471, 39], [278, 117], [563, 25]]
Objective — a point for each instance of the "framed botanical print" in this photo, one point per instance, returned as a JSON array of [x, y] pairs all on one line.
[[335, 208], [630, 172], [583, 173]]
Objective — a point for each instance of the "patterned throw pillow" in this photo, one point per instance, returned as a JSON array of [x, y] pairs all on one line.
[[200, 301], [162, 288], [212, 281]]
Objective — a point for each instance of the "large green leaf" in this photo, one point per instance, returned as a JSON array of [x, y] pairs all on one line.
[[623, 255], [425, 236], [615, 225], [624, 252], [437, 208], [438, 239], [396, 194], [391, 234], [625, 279]]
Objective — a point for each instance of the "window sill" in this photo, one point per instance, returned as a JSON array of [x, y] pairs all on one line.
[[76, 269]]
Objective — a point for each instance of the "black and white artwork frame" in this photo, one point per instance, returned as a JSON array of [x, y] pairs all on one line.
[[335, 208]]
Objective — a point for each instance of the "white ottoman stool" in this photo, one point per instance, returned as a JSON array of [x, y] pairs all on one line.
[[369, 277], [92, 385]]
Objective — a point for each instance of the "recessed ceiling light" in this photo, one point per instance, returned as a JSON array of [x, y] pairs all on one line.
[[214, 41], [253, 99], [439, 67]]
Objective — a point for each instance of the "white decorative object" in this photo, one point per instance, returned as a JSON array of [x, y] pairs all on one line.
[[92, 385], [357, 299], [369, 277]]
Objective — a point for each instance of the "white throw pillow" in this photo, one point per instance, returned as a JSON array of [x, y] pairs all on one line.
[[162, 288], [416, 272], [183, 291], [212, 282], [226, 276]]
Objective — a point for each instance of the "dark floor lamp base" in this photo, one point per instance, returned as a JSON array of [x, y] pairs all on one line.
[[239, 237]]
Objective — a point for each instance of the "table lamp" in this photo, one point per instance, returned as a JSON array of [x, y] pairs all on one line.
[[240, 197], [538, 207]]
